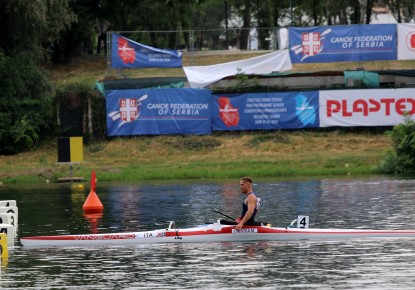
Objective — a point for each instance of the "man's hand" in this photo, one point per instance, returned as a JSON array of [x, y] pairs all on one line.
[[239, 226]]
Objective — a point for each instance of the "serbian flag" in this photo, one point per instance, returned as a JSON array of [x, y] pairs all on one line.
[[126, 53]]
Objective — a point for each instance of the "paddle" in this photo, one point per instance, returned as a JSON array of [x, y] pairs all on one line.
[[225, 215]]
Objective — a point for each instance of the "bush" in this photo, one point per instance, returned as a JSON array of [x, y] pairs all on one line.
[[402, 158], [25, 103]]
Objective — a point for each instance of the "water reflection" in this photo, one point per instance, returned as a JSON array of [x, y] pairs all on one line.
[[341, 203]]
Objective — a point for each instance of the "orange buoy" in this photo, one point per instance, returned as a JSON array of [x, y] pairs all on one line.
[[92, 203]]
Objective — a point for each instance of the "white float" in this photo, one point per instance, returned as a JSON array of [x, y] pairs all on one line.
[[8, 203], [13, 210], [8, 218], [10, 231]]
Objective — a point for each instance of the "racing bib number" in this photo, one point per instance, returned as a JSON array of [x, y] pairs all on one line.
[[302, 221]]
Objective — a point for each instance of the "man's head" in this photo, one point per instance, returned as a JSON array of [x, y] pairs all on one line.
[[246, 184]]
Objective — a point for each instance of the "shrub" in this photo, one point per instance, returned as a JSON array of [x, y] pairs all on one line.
[[402, 158], [25, 103]]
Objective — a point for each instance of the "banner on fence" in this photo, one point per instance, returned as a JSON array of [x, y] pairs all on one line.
[[406, 41], [251, 111], [343, 43], [126, 53], [375, 107], [157, 112], [202, 76]]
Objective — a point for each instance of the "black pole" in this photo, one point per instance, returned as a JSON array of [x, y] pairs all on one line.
[[226, 24]]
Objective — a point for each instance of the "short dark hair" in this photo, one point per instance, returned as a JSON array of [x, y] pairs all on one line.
[[246, 178]]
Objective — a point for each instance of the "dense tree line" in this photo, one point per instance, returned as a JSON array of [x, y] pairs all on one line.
[[35, 31]]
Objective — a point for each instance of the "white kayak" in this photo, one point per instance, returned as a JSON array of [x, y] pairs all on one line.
[[215, 232]]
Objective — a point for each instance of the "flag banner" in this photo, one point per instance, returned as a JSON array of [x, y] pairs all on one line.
[[343, 43], [406, 41], [250, 111], [126, 53], [202, 76], [158, 112], [369, 107]]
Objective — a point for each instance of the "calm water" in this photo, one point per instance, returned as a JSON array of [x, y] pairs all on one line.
[[331, 203]]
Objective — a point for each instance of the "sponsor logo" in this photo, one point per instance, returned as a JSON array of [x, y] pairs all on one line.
[[228, 113], [125, 51], [311, 43], [129, 110], [106, 237], [365, 106], [244, 231], [305, 111], [410, 41]]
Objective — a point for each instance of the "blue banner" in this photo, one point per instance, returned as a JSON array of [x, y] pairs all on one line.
[[343, 43], [157, 112], [126, 53], [250, 111]]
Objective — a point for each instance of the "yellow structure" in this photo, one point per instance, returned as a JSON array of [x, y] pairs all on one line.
[[70, 150], [76, 147], [3, 247]]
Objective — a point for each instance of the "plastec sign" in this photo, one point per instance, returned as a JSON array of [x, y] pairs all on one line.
[[343, 43], [377, 107], [251, 111], [406, 41]]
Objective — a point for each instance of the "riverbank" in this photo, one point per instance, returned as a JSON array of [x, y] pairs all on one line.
[[227, 155], [222, 155]]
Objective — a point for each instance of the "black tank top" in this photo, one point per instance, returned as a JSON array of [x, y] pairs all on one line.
[[245, 209]]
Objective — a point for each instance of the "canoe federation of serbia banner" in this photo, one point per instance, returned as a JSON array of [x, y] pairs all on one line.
[[254, 111], [343, 43], [126, 53], [158, 112], [375, 107]]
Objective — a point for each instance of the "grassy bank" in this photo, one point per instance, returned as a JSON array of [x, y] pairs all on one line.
[[225, 155], [272, 154]]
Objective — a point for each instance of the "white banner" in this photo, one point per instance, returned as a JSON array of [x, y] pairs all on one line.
[[202, 76], [406, 41], [377, 107]]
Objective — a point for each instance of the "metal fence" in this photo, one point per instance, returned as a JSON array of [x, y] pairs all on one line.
[[192, 41], [212, 39]]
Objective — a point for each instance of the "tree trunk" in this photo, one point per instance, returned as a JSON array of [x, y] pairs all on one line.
[[246, 17]]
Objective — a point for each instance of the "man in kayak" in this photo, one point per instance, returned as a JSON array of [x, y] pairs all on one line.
[[250, 204]]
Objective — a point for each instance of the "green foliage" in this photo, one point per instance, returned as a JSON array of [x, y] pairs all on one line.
[[25, 106], [402, 159]]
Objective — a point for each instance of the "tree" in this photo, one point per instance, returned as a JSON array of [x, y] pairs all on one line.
[[402, 10], [32, 25], [28, 28], [25, 104]]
